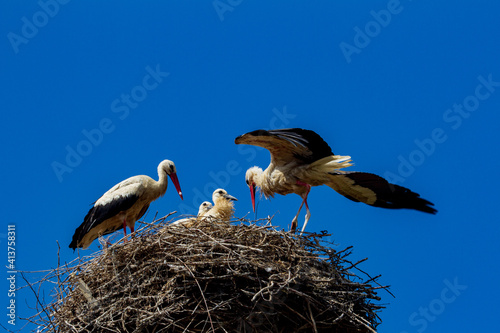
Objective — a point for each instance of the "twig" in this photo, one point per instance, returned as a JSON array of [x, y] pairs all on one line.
[[150, 283], [39, 302], [202, 294]]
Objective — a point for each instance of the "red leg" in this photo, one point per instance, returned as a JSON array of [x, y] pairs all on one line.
[[304, 201], [125, 227], [301, 183], [308, 214], [308, 187]]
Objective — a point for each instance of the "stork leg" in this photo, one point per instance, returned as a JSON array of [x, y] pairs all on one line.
[[125, 227], [293, 227], [308, 215], [304, 201]]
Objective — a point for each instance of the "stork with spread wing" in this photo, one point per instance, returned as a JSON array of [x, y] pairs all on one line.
[[301, 158]]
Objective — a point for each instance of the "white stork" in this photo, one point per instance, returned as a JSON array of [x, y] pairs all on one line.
[[223, 208], [123, 204], [189, 221], [204, 207], [301, 158]]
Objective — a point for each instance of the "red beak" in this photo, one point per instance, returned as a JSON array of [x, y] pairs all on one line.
[[175, 180], [252, 194]]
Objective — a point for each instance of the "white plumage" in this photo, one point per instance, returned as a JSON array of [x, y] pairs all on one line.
[[123, 205], [189, 221], [301, 159], [223, 208]]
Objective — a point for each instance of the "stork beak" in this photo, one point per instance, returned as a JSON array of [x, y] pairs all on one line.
[[230, 197], [252, 194], [175, 180]]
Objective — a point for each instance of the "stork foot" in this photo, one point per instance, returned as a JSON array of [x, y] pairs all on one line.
[[294, 225], [308, 215]]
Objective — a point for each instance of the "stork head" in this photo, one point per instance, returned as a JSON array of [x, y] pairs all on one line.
[[168, 167], [221, 194], [251, 177], [204, 207]]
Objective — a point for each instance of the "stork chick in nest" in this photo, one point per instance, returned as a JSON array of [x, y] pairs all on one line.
[[189, 221], [223, 208]]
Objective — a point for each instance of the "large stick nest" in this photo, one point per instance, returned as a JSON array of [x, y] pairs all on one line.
[[214, 277]]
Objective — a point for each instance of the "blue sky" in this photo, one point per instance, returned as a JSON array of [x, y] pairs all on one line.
[[94, 93]]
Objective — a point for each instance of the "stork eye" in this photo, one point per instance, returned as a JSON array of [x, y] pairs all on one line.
[[248, 182], [171, 167]]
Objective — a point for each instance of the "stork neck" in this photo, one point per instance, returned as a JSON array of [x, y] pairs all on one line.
[[162, 183], [263, 179]]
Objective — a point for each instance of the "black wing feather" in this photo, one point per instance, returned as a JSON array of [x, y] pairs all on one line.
[[389, 195], [308, 145], [307, 138], [101, 213]]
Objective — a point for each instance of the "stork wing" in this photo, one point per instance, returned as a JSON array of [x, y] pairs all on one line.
[[376, 191], [288, 145], [186, 222], [131, 184], [109, 205]]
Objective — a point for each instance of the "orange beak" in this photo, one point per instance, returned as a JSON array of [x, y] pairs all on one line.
[[252, 194], [175, 180]]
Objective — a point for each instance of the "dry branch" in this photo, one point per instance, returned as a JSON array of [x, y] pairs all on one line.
[[215, 277]]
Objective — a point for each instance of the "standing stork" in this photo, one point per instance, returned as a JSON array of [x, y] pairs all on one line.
[[301, 158], [123, 204]]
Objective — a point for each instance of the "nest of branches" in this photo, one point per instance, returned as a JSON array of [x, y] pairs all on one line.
[[213, 277]]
